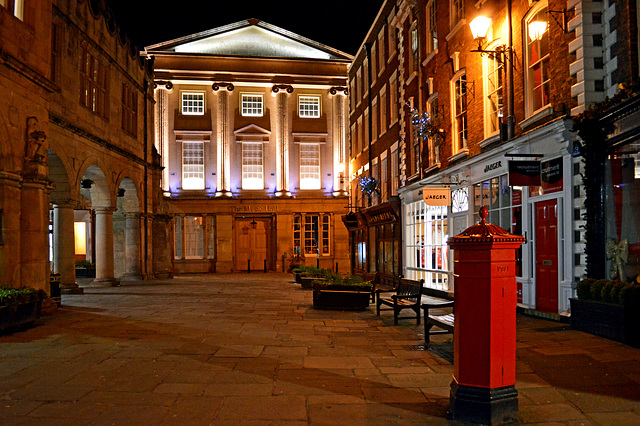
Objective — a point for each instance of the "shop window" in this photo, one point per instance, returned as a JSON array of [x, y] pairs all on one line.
[[460, 200], [189, 237], [312, 234], [193, 165], [193, 103], [426, 254]]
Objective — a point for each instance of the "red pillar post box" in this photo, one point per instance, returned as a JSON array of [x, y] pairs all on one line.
[[483, 387]]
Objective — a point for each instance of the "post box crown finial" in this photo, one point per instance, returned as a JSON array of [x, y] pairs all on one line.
[[484, 212]]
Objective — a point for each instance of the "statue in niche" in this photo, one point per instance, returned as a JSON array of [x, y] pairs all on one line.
[[36, 143]]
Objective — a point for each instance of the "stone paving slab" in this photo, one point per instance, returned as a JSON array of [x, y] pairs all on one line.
[[249, 349]]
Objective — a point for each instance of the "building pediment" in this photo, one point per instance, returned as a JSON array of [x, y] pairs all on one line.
[[252, 38], [252, 132]]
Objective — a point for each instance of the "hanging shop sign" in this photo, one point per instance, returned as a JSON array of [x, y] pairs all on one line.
[[551, 176], [380, 215], [524, 173], [437, 195]]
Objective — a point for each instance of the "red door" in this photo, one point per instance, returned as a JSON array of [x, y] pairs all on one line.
[[546, 213]]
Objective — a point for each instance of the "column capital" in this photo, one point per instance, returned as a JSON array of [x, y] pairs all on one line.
[[168, 85], [104, 210], [285, 87], [339, 89], [216, 86]]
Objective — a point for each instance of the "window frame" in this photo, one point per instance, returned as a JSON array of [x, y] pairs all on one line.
[[530, 86], [457, 116], [489, 69], [193, 168], [303, 235], [311, 113], [129, 110], [251, 110], [433, 141], [94, 83], [245, 172], [309, 169], [192, 109], [431, 31], [456, 12]]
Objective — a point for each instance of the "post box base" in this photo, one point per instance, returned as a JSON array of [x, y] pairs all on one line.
[[485, 406]]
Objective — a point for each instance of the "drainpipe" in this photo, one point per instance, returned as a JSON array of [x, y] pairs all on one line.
[[370, 124], [146, 176], [510, 91]]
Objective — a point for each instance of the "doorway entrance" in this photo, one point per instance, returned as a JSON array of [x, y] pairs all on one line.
[[546, 227], [252, 237]]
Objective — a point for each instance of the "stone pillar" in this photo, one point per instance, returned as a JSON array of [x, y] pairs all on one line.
[[11, 246], [282, 139], [104, 248], [223, 142], [64, 260], [340, 141], [132, 246], [34, 234]]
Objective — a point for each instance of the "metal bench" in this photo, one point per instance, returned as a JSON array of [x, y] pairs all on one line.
[[434, 317], [407, 296]]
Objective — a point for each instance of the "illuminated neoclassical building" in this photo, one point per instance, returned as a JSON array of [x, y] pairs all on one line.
[[251, 124]]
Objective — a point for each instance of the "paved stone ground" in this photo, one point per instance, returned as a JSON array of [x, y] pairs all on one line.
[[249, 349]]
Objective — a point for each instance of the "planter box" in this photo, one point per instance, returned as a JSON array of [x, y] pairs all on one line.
[[615, 322], [19, 316], [85, 273], [307, 280], [343, 298]]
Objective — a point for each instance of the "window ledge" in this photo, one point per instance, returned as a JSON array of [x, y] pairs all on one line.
[[462, 154], [490, 140], [411, 77], [432, 168], [538, 115], [429, 57], [454, 30]]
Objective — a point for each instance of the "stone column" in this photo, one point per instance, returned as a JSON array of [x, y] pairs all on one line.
[[132, 246], [282, 139], [11, 246], [339, 140], [223, 142], [64, 260], [34, 234], [104, 248]]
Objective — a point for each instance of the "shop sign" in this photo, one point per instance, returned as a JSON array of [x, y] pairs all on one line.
[[493, 166], [524, 173], [551, 177], [437, 196], [380, 215]]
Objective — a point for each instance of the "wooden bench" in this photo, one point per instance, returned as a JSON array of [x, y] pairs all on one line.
[[407, 296], [444, 321]]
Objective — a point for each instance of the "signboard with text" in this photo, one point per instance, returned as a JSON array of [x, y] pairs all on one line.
[[524, 173], [437, 195], [551, 176]]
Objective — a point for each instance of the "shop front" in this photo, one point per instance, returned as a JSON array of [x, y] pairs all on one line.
[[542, 211], [383, 227]]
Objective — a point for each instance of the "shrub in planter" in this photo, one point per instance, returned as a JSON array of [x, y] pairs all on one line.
[[608, 309], [338, 293], [19, 307]]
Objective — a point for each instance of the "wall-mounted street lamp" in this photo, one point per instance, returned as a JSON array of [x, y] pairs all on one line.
[[341, 174]]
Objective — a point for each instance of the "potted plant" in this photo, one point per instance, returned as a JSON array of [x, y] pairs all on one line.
[[19, 307], [338, 293], [85, 269], [609, 309]]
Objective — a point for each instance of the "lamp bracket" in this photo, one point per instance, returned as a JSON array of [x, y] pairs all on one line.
[[562, 24]]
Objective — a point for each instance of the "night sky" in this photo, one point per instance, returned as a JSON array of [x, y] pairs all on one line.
[[341, 24]]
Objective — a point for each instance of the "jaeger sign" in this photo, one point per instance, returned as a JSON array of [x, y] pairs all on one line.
[[437, 196]]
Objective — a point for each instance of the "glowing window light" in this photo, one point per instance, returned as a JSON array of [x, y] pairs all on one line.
[[80, 237], [537, 30]]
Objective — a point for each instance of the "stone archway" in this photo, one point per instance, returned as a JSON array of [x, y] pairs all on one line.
[[126, 228], [63, 241], [95, 187]]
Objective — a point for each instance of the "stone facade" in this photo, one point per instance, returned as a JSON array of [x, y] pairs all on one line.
[[77, 146], [251, 123]]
